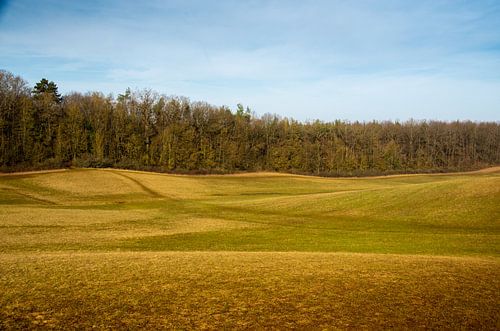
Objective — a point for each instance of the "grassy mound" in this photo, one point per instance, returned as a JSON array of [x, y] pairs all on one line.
[[124, 249]]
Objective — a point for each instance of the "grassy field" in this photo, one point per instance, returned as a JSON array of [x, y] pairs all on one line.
[[122, 249]]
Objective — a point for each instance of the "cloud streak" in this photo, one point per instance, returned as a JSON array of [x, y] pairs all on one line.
[[309, 59]]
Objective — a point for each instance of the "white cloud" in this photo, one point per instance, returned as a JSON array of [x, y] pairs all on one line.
[[384, 98], [307, 59]]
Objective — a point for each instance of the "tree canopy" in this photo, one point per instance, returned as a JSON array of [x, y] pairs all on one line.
[[146, 130], [44, 87]]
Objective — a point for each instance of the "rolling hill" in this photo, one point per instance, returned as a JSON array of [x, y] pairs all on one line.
[[112, 248]]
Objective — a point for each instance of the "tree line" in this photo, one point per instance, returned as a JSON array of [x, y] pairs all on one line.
[[40, 129]]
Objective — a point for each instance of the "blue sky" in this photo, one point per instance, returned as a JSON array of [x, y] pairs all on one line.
[[354, 60]]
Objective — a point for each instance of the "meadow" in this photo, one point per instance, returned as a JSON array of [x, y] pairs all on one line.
[[109, 248]]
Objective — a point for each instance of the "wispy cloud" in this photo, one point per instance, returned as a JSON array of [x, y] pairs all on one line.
[[308, 59]]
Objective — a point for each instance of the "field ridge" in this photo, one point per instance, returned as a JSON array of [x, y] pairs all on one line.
[[118, 249]]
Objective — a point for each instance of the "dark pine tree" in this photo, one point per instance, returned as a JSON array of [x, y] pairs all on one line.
[[44, 87]]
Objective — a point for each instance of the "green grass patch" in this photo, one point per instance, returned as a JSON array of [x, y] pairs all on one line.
[[113, 249], [421, 214]]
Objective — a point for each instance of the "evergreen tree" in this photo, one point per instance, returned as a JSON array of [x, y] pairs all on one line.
[[44, 87], [144, 130]]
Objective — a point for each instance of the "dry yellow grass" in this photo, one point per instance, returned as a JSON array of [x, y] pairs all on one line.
[[67, 242], [88, 182], [27, 173], [36, 216], [166, 186], [216, 290], [33, 228]]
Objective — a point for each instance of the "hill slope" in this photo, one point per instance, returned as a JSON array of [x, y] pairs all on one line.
[[104, 249], [115, 209]]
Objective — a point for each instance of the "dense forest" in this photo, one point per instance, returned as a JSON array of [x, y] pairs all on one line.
[[41, 129]]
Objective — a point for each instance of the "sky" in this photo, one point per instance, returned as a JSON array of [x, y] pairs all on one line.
[[321, 59]]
